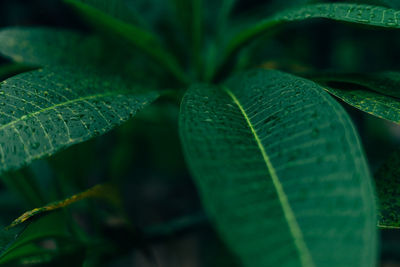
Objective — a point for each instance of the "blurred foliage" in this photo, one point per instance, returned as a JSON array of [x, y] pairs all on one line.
[[143, 156]]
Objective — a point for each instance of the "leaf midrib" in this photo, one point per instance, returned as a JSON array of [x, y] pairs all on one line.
[[304, 253], [33, 114]]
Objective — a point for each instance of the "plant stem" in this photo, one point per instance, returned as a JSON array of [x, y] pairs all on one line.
[[237, 43]]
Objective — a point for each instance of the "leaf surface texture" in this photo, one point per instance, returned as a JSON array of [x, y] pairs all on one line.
[[281, 172], [47, 110], [381, 106], [388, 188]]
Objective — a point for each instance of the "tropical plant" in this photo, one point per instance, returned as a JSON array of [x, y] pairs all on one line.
[[276, 159]]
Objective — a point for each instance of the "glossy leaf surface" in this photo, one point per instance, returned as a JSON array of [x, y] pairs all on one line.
[[376, 104], [45, 111], [387, 82], [281, 172]]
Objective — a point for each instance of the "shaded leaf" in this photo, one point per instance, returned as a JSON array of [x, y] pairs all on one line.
[[115, 8], [150, 13], [28, 253], [47, 46], [386, 82], [391, 3], [51, 226], [145, 13], [40, 46], [48, 110], [281, 172], [191, 20], [25, 187], [137, 36], [388, 189], [375, 93], [175, 226], [225, 9], [197, 24], [354, 13], [376, 104]]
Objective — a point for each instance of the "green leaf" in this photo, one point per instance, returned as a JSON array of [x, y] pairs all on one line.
[[281, 171], [197, 31], [47, 46], [52, 225], [23, 185], [386, 82], [39, 46], [375, 93], [139, 12], [115, 8], [190, 14], [217, 15], [150, 13], [390, 3], [102, 191], [388, 190], [354, 13], [139, 37], [226, 8], [48, 110], [376, 104]]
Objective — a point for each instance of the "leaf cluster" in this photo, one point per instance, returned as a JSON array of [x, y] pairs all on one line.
[[277, 160]]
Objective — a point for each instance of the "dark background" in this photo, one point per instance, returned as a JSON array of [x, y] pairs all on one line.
[[146, 157]]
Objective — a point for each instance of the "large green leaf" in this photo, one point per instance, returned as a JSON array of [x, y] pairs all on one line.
[[47, 46], [281, 171], [353, 13], [141, 38], [388, 189], [47, 110]]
